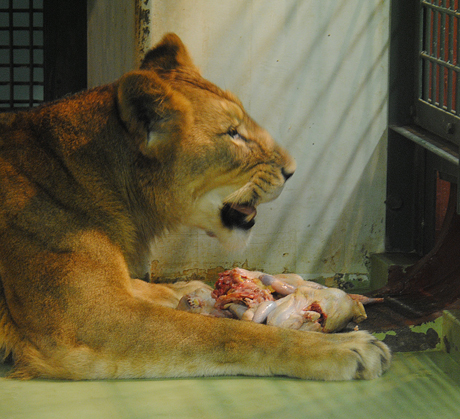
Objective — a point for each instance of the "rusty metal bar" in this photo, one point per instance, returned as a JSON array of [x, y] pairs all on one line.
[[441, 55], [442, 9], [450, 73]]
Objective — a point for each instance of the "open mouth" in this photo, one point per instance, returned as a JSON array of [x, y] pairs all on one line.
[[238, 216]]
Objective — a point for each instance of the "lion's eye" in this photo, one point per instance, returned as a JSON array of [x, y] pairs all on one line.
[[233, 132]]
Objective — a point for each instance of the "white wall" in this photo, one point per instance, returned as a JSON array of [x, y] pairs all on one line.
[[314, 73]]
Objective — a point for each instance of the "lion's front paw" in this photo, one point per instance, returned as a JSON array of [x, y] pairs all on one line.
[[362, 356]]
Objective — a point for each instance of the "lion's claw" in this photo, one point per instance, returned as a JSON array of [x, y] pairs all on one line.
[[372, 357]]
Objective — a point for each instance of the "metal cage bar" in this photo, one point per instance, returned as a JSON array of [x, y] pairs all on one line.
[[450, 72], [439, 58], [21, 40], [457, 97], [426, 65], [441, 68], [437, 107], [432, 53]]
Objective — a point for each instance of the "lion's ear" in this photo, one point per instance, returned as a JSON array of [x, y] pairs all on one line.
[[151, 110], [169, 54]]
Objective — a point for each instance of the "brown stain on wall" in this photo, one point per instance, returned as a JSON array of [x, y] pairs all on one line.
[[209, 276], [142, 28], [193, 274]]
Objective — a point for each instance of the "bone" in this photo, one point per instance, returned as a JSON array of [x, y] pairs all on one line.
[[239, 310], [366, 300]]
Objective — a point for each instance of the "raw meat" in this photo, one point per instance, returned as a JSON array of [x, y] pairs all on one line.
[[284, 300], [240, 285]]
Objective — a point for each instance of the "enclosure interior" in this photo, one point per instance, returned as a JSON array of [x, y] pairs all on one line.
[[364, 94]]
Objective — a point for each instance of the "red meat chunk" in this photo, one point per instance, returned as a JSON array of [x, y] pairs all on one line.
[[239, 286]]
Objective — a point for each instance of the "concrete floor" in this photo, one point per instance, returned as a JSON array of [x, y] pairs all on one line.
[[420, 385]]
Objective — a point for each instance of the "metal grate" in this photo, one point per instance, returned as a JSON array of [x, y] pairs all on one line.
[[21, 53], [440, 67]]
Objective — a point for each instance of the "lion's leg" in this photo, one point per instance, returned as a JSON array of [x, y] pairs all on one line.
[[167, 295], [122, 336], [133, 338], [81, 318]]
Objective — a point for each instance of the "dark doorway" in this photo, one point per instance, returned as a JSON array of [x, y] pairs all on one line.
[[43, 47]]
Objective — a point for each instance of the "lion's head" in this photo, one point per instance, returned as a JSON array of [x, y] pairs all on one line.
[[216, 164]]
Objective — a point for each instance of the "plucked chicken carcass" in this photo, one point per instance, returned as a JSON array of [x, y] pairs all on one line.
[[284, 300]]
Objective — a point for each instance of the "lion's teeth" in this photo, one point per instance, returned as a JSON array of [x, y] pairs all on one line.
[[250, 217]]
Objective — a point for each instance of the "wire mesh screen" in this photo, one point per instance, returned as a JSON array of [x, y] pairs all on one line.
[[440, 67], [21, 53]]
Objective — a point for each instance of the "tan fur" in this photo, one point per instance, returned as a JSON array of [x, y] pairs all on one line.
[[87, 183]]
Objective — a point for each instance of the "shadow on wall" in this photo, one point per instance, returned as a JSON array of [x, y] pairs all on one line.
[[324, 98], [356, 173]]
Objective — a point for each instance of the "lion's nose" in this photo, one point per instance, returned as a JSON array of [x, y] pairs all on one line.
[[286, 174]]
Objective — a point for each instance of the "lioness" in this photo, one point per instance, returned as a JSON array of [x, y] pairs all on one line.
[[87, 182]]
